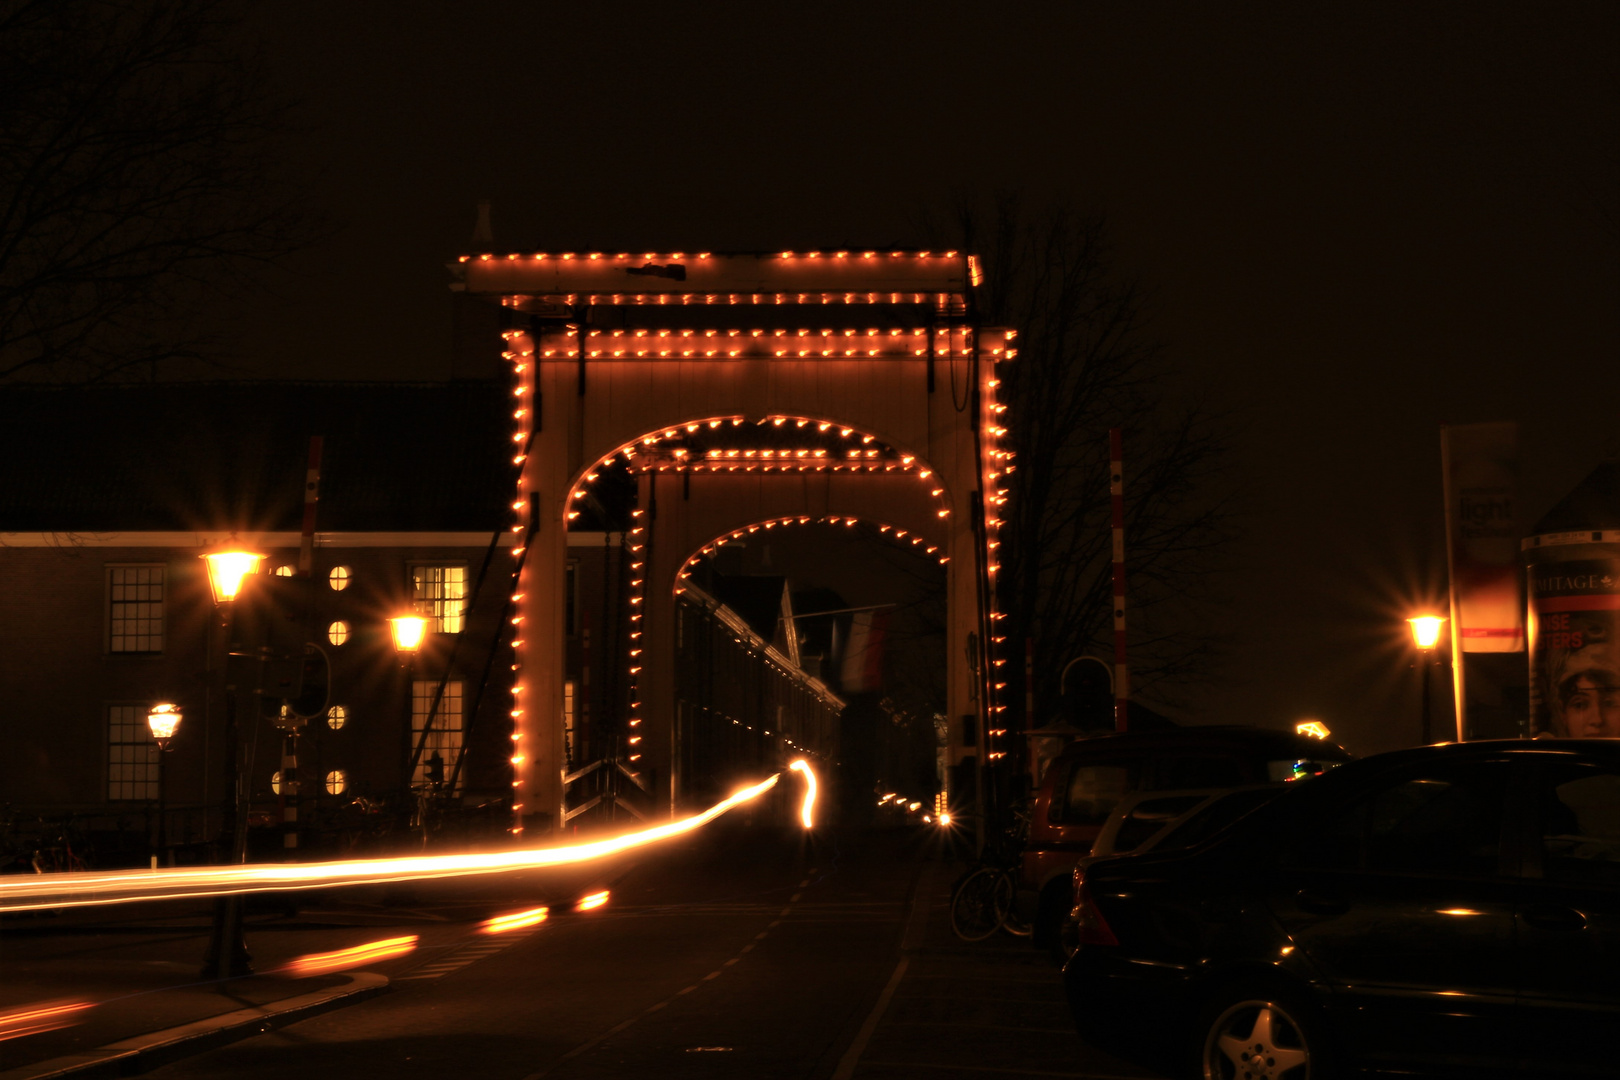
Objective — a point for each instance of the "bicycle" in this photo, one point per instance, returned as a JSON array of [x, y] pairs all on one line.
[[985, 899]]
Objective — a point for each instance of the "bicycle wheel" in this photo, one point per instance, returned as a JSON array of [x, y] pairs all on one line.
[[980, 902], [1011, 921]]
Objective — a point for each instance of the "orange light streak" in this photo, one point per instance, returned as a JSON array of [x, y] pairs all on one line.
[[40, 1016], [806, 810], [592, 902], [370, 953], [500, 924], [34, 892]]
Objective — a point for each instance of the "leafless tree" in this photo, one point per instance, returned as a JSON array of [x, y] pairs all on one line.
[[136, 181], [1087, 362]]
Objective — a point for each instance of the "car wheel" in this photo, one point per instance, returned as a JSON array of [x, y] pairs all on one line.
[[1255, 1033]]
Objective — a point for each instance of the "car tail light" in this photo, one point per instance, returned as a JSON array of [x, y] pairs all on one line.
[[1088, 918]]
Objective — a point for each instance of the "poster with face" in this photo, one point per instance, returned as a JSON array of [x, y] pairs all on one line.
[[1575, 648]]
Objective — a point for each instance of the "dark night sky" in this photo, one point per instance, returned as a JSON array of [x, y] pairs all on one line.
[[1357, 222]]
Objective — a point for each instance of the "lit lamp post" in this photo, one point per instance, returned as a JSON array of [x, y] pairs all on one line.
[[409, 632], [228, 565], [163, 720], [1426, 635]]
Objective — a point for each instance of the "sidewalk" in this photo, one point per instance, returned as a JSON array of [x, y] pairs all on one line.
[[954, 1009], [132, 983]]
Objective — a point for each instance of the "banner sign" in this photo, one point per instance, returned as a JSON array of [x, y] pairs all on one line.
[[1480, 464]]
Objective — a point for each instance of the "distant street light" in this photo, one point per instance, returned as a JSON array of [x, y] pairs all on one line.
[[163, 720], [1426, 635], [409, 630], [227, 566], [1314, 728]]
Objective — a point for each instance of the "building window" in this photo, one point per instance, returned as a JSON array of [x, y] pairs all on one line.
[[275, 782], [132, 756], [339, 578], [283, 570], [337, 782], [440, 593], [135, 609], [443, 747], [338, 632], [336, 717]]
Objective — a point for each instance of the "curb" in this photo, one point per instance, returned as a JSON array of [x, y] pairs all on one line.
[[142, 1053]]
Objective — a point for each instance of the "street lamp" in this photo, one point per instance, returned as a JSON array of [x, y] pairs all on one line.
[[163, 720], [409, 630], [228, 564], [1426, 635]]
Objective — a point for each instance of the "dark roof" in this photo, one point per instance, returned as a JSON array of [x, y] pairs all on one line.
[[1593, 504], [207, 456]]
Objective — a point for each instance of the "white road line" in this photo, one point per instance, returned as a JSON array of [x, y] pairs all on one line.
[[852, 1056]]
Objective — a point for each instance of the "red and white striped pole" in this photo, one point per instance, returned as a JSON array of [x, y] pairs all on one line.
[[1116, 492]]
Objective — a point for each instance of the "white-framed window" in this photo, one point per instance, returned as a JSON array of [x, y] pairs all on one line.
[[445, 738], [336, 717], [132, 756], [339, 578], [135, 609], [439, 591], [338, 632], [337, 782]]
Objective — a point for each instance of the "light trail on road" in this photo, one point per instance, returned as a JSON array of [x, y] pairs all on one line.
[[807, 810], [92, 888]]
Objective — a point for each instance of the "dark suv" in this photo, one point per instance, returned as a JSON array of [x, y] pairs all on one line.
[[1450, 909], [1085, 782]]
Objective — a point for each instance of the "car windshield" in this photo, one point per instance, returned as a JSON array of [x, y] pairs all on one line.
[[1215, 817]]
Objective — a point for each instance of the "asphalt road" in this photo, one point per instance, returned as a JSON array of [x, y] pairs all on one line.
[[742, 953]]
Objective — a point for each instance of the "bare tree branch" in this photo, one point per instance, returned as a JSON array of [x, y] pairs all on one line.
[[136, 181], [1087, 363]]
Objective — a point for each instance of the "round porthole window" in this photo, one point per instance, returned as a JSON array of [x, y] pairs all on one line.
[[337, 782], [283, 571], [275, 782], [338, 632], [339, 578]]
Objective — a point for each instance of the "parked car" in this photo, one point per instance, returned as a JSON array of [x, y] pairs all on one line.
[[1161, 821], [1448, 910], [1088, 779]]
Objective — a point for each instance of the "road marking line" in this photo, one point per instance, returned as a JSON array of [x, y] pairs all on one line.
[[688, 990], [852, 1056], [762, 933], [750, 946], [733, 960], [710, 975], [794, 899], [786, 911], [775, 924], [805, 884]]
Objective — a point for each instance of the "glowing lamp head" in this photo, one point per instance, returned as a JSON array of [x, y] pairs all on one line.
[[1314, 728], [227, 566], [409, 630], [1426, 630], [945, 820], [163, 720]]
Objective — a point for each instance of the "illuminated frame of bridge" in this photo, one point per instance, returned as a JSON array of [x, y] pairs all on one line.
[[874, 357]]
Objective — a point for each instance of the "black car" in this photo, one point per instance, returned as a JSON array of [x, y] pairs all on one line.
[[1447, 910]]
